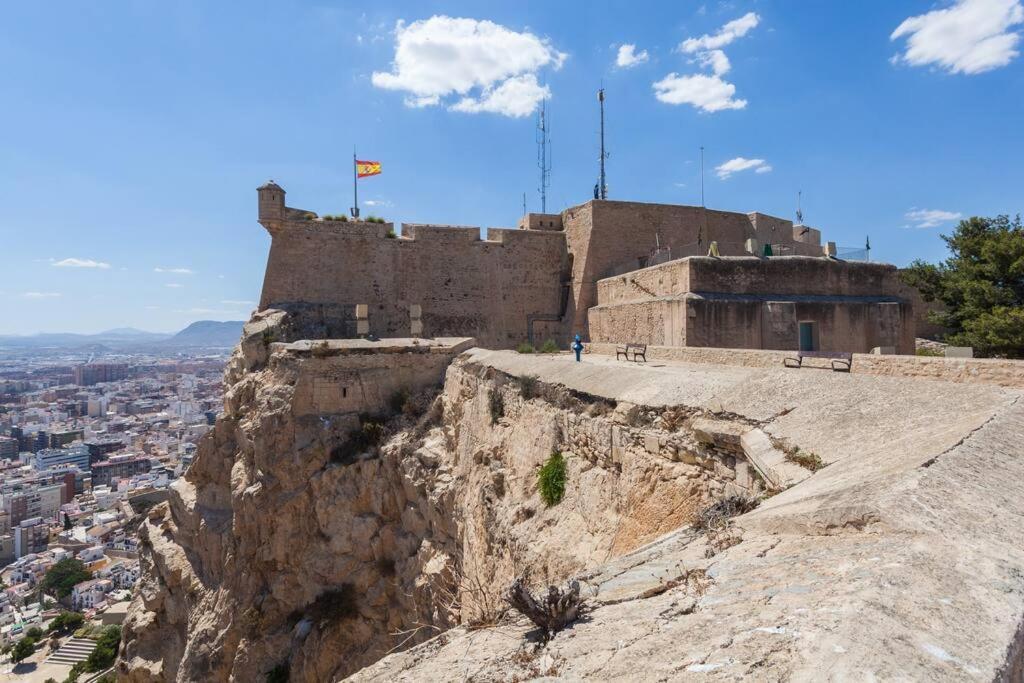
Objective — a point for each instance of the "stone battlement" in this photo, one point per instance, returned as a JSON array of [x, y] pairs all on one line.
[[542, 279]]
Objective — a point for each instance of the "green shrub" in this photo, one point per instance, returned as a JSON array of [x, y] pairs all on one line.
[[527, 386], [66, 621], [391, 234], [923, 351], [321, 350], [334, 604], [308, 216], [526, 347], [374, 219], [23, 649], [368, 435], [106, 650], [551, 479], [76, 671], [496, 403], [806, 459], [35, 633], [398, 400], [550, 346]]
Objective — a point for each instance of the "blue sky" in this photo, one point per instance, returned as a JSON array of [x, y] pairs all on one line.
[[134, 133]]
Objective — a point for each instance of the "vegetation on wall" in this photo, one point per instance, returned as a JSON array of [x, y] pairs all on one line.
[[550, 346], [551, 479], [496, 405], [981, 284], [526, 347]]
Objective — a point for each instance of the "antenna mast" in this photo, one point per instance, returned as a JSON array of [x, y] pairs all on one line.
[[799, 213], [602, 185], [543, 156]]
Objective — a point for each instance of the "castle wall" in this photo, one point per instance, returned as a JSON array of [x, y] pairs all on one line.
[[466, 286], [756, 303], [607, 238]]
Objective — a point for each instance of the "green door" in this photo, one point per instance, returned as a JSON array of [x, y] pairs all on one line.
[[807, 336]]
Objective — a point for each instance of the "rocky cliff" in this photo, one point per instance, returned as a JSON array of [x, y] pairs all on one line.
[[315, 538]]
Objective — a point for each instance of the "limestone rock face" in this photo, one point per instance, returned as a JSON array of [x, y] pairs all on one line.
[[285, 546]]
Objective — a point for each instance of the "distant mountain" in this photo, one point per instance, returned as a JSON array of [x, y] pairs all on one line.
[[208, 333]]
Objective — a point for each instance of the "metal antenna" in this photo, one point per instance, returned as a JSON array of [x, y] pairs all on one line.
[[602, 185], [524, 203], [543, 156], [799, 213]]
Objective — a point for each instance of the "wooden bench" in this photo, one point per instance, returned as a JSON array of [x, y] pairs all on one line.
[[638, 351], [840, 362]]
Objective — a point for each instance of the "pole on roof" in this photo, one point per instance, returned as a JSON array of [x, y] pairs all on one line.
[[602, 184]]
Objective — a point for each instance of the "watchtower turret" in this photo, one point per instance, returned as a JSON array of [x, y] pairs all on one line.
[[271, 203]]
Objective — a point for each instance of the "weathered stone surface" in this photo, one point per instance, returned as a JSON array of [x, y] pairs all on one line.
[[903, 559]]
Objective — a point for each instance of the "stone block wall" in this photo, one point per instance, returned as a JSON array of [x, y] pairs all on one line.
[[490, 289]]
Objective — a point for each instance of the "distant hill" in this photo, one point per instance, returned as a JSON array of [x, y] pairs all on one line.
[[208, 333], [211, 333]]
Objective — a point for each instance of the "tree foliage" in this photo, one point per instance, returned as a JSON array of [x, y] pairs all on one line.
[[62, 577], [551, 479], [66, 622], [981, 285], [23, 649], [106, 649]]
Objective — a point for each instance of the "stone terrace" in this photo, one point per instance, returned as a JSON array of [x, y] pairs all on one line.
[[900, 560]]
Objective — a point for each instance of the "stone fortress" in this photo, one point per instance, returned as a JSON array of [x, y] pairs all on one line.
[[610, 271]]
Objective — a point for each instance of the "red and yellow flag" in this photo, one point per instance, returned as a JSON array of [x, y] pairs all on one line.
[[367, 168]]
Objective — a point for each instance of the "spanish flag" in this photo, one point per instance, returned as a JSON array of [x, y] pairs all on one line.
[[365, 169]]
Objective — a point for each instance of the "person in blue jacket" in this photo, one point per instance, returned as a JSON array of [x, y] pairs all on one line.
[[577, 346]]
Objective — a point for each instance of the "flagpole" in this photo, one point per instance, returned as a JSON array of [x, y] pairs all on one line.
[[355, 186]]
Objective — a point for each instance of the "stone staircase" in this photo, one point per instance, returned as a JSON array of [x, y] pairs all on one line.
[[73, 651]]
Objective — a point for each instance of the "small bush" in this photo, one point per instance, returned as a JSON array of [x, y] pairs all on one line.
[[367, 436], [334, 604], [66, 622], [398, 400], [549, 346], [718, 514], [374, 219], [308, 216], [106, 650], [527, 386], [551, 479], [525, 347], [925, 351], [806, 459], [391, 234], [321, 350], [496, 403]]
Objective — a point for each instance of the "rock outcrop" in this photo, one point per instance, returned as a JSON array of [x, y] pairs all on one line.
[[317, 541]]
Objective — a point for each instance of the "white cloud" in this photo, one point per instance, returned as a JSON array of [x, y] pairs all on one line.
[[716, 60], [708, 93], [41, 295], [740, 164], [176, 271], [969, 37], [737, 28], [492, 68], [174, 285], [628, 56], [80, 263], [930, 218], [517, 96], [377, 202]]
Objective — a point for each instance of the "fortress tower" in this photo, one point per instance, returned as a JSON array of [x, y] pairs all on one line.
[[271, 205]]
